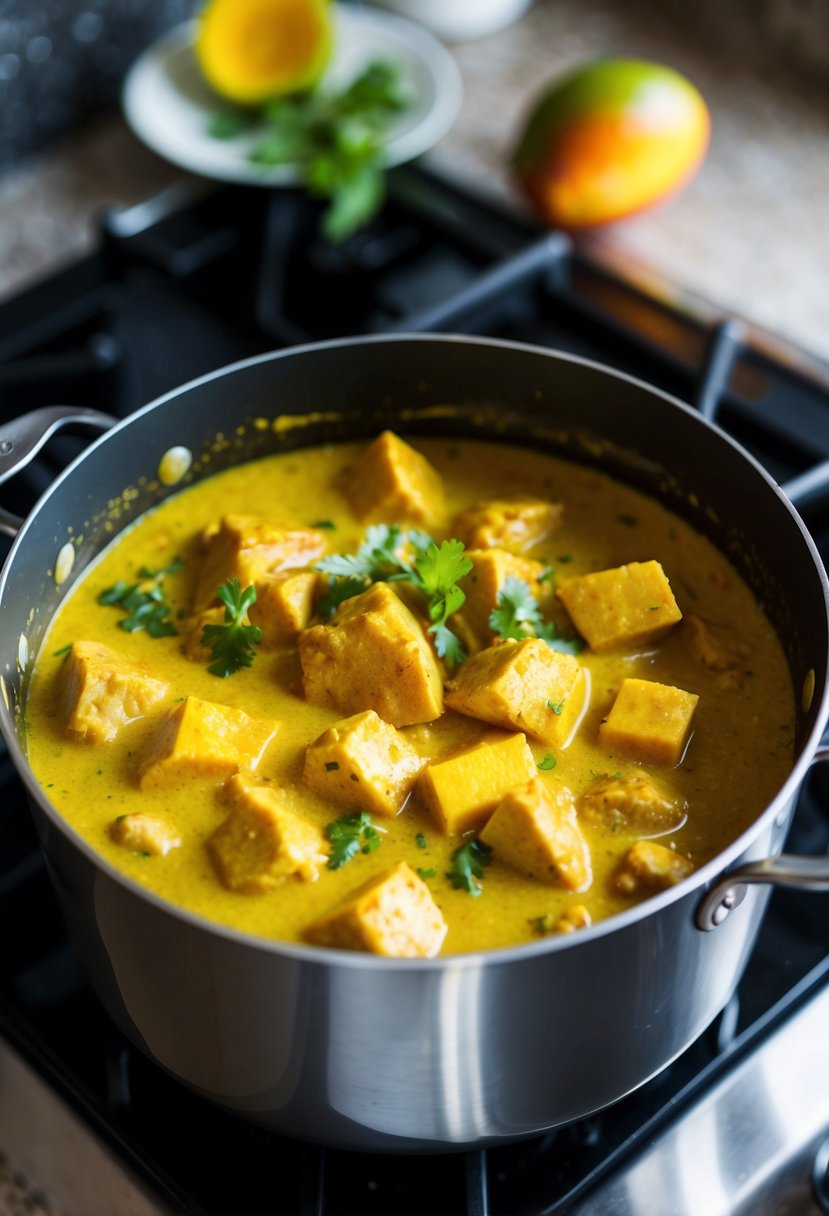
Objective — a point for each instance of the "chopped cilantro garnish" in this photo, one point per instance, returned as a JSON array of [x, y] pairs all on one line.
[[556, 709], [350, 835], [435, 572], [547, 764], [232, 644], [422, 842], [327, 525], [544, 924], [145, 603], [63, 652], [430, 873], [468, 863]]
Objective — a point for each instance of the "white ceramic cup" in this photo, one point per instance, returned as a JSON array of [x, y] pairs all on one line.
[[457, 20]]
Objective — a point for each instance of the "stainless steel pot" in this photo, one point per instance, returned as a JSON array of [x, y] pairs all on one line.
[[373, 1053]]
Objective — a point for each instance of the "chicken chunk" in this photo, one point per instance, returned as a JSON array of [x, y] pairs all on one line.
[[393, 482], [521, 686], [649, 721], [462, 791], [576, 917], [202, 739], [284, 605], [534, 829], [141, 833], [627, 606], [633, 803], [651, 867], [393, 914], [512, 524], [247, 548], [715, 653], [373, 655], [363, 762], [192, 645], [262, 842], [101, 691]]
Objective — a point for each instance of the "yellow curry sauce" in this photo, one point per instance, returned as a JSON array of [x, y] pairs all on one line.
[[739, 752]]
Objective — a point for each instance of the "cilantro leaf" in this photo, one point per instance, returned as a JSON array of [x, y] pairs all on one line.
[[232, 644], [350, 835], [375, 561], [145, 602], [335, 140], [468, 863], [517, 615], [438, 569], [435, 573]]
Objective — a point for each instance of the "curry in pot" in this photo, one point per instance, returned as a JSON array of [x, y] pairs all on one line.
[[410, 698]]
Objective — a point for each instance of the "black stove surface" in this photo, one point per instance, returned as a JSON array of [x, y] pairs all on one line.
[[201, 277]]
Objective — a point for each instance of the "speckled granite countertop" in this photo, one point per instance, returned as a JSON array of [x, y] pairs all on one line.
[[749, 233]]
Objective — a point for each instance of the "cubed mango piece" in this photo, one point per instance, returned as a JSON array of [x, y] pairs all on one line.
[[142, 833], [462, 791], [513, 524], [649, 721], [202, 739], [649, 866], [363, 762], [373, 654], [534, 829], [490, 570], [523, 686], [393, 482], [393, 915], [263, 841], [284, 605], [101, 691], [634, 802], [625, 607], [247, 548]]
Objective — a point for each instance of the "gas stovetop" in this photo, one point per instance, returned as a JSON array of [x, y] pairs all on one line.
[[202, 276]]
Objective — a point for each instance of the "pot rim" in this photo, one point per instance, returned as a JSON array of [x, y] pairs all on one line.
[[325, 956]]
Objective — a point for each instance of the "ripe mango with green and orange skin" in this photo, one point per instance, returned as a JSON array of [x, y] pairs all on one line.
[[610, 139]]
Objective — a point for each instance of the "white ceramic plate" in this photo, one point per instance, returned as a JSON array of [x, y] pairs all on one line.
[[168, 104]]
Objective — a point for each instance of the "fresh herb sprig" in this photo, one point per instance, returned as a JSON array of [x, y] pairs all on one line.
[[434, 571], [145, 602], [335, 140], [232, 645], [517, 615], [468, 864], [350, 835]]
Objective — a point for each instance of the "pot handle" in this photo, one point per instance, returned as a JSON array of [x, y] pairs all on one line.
[[785, 870], [22, 438]]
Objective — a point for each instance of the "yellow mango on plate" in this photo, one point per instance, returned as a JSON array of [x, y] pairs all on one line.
[[250, 50]]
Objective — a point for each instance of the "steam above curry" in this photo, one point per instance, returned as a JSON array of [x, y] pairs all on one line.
[[410, 698]]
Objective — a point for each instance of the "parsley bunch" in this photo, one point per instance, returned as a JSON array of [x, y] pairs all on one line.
[[335, 139], [517, 615], [145, 602], [232, 644]]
